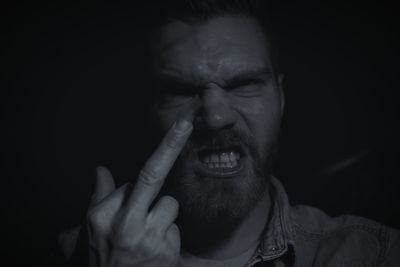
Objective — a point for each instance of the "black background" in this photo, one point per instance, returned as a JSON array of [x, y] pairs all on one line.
[[74, 95]]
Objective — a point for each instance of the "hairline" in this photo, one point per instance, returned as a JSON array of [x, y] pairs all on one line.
[[193, 20]]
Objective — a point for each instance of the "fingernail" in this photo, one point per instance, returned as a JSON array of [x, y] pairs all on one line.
[[183, 125]]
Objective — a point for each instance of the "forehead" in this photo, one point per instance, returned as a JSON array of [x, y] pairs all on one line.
[[211, 49]]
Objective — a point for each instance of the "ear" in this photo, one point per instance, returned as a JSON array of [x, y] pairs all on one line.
[[281, 77]]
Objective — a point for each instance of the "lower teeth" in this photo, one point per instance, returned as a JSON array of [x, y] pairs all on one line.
[[230, 164]]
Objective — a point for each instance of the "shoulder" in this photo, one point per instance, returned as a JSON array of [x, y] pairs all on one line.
[[348, 235], [317, 223]]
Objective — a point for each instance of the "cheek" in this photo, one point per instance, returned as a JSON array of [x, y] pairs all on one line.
[[261, 116], [267, 113]]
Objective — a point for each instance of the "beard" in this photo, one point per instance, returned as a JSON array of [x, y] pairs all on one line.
[[220, 201]]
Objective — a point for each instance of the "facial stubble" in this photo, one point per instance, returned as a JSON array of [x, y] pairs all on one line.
[[211, 200]]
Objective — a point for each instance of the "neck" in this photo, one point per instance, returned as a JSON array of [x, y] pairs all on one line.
[[226, 241]]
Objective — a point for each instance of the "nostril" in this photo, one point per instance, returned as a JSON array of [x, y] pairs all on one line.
[[207, 125], [220, 120]]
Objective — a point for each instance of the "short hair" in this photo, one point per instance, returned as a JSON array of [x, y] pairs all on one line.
[[205, 9], [192, 11]]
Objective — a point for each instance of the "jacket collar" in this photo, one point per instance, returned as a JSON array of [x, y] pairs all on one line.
[[277, 236]]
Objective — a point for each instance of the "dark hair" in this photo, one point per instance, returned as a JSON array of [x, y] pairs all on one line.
[[205, 9], [193, 11]]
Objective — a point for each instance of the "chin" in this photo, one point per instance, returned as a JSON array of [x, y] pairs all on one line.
[[216, 200], [219, 179]]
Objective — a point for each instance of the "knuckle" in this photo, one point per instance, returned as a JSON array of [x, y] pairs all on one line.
[[174, 229], [167, 253], [170, 202], [153, 244], [127, 227], [123, 226], [121, 243], [150, 246], [93, 216], [173, 141], [124, 241], [97, 218], [153, 233], [148, 177], [173, 235]]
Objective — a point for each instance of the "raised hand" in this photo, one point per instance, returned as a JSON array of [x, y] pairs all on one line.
[[122, 230]]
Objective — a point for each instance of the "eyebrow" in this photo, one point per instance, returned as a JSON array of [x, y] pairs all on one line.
[[236, 78]]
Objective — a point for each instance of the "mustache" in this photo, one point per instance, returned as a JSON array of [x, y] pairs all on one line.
[[225, 138]]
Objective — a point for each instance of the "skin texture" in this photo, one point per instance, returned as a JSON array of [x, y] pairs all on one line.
[[226, 84], [219, 73], [122, 231]]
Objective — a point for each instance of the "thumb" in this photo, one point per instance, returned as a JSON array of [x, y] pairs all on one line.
[[104, 185]]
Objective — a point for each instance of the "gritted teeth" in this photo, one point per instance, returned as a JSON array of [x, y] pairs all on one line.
[[220, 160], [221, 165]]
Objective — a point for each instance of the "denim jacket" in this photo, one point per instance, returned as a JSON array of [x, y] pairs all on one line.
[[305, 236]]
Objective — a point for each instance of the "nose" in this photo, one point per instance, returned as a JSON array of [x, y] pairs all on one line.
[[215, 111]]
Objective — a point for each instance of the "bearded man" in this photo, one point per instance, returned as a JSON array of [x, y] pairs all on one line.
[[206, 196]]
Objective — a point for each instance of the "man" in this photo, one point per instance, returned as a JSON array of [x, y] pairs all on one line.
[[206, 196]]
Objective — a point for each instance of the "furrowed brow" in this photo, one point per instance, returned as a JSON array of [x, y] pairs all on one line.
[[237, 77], [245, 75]]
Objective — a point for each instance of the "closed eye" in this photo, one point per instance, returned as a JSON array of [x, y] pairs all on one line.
[[250, 87], [245, 82]]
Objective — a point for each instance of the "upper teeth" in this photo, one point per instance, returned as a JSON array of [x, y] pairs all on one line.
[[221, 157]]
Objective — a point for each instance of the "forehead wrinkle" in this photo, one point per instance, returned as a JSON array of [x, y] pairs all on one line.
[[207, 49], [205, 52], [208, 65], [193, 65]]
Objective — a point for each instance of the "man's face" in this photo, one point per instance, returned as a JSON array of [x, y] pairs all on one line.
[[218, 73]]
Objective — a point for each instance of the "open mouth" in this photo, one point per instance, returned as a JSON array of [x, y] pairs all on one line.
[[220, 162], [227, 158]]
